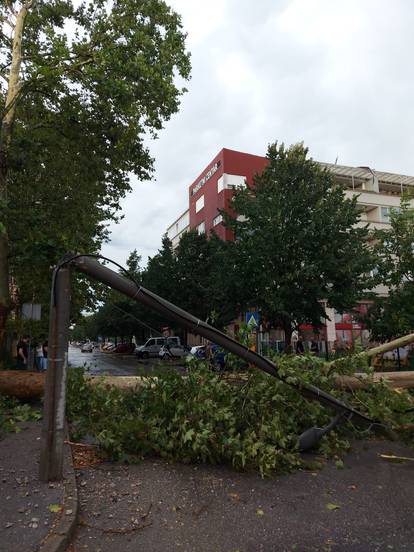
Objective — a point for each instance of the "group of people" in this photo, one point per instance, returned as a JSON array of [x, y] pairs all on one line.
[[23, 349], [300, 347]]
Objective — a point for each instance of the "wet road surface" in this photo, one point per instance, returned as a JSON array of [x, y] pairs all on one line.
[[103, 364], [98, 363]]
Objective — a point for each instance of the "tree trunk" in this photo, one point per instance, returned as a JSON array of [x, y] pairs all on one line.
[[394, 380], [22, 384], [287, 328], [390, 346], [30, 385], [4, 288], [13, 92], [394, 344]]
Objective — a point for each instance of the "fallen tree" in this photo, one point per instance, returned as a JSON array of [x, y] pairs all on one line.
[[22, 384], [379, 350], [250, 422], [30, 385], [394, 380], [391, 345]]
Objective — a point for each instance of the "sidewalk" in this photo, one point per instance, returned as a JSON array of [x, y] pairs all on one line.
[[25, 517], [159, 507]]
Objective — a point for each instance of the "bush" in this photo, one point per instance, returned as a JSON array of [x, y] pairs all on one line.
[[252, 423]]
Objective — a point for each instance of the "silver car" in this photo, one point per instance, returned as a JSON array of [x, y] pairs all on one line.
[[173, 351], [153, 346], [87, 347]]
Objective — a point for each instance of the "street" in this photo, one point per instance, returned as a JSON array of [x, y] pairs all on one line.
[[103, 364], [98, 363]]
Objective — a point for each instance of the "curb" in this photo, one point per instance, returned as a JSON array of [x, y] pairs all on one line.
[[61, 535]]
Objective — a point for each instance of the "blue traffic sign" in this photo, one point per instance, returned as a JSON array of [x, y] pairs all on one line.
[[252, 319]]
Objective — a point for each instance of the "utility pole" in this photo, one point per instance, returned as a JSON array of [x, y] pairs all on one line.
[[53, 428]]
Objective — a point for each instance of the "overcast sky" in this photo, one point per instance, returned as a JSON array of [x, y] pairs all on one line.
[[335, 74]]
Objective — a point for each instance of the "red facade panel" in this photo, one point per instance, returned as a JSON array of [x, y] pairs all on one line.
[[243, 164], [228, 162]]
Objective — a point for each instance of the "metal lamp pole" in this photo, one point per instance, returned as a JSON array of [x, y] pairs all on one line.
[[53, 428]]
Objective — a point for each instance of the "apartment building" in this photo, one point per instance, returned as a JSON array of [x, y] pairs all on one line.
[[377, 193]]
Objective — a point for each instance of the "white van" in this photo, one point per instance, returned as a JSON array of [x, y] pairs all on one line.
[[153, 346]]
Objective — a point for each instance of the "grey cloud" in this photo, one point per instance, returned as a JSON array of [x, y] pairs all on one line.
[[339, 77]]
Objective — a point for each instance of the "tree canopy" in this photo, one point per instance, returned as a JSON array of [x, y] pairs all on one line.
[[191, 277], [393, 316], [82, 86], [395, 246], [298, 241]]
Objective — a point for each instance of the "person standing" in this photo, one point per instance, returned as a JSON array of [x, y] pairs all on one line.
[[39, 356], [314, 348], [300, 349], [45, 350], [22, 353]]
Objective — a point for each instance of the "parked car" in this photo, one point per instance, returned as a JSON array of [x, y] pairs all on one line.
[[199, 352], [215, 354], [153, 346], [173, 351], [108, 346], [124, 348], [87, 347]]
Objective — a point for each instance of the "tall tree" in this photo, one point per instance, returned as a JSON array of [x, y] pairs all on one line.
[[194, 266], [393, 316], [191, 277], [82, 83], [395, 246], [160, 275], [296, 242]]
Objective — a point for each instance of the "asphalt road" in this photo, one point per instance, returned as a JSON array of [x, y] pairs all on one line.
[[103, 364], [112, 364]]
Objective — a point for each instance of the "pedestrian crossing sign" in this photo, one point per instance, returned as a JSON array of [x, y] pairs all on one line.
[[252, 319]]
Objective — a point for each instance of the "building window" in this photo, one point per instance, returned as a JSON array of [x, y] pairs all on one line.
[[201, 228], [217, 220], [386, 212], [199, 204], [230, 182]]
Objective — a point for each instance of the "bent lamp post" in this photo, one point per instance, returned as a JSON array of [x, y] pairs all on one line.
[[51, 463]]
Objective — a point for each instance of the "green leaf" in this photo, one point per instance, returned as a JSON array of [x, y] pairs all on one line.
[[188, 435], [331, 506], [54, 508]]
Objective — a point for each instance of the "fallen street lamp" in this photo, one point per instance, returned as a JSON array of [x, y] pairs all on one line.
[[52, 439]]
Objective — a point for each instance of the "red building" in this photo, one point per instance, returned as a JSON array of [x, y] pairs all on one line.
[[376, 192], [213, 188]]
